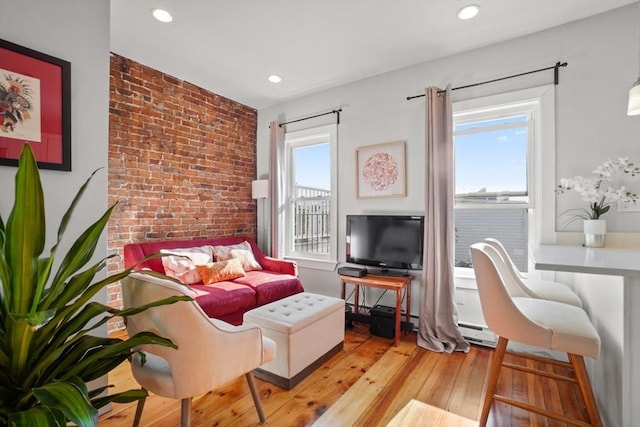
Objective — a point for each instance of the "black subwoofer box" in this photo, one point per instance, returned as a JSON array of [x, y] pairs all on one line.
[[383, 321], [348, 318]]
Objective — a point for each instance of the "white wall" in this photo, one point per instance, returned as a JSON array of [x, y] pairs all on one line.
[[76, 31], [591, 126], [591, 122]]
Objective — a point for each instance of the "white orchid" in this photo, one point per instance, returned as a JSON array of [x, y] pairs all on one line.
[[593, 191]]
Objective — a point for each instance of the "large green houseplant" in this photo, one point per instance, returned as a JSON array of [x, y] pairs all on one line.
[[47, 352]]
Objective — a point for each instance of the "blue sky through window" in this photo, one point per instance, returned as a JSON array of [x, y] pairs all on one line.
[[495, 160], [313, 166]]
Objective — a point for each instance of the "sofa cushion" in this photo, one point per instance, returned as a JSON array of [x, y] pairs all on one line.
[[183, 266], [214, 272], [242, 250], [270, 286], [223, 298], [134, 253]]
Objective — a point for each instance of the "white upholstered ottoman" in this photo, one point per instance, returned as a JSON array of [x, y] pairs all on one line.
[[308, 329]]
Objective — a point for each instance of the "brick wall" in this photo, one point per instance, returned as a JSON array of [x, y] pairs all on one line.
[[181, 162]]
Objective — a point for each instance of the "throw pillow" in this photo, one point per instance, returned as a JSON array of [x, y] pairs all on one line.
[[213, 272], [183, 265], [242, 251]]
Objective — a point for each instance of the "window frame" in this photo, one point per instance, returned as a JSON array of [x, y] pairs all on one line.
[[293, 140], [541, 213]]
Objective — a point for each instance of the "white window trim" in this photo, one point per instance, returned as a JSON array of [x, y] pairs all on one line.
[[298, 139], [541, 225]]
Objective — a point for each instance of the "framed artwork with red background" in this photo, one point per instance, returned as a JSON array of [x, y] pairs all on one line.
[[35, 107]]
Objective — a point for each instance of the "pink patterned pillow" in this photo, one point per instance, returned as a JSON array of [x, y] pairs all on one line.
[[242, 251], [182, 268]]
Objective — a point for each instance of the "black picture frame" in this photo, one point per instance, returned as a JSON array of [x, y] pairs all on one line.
[[21, 70]]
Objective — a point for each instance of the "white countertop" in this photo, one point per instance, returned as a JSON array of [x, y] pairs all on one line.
[[587, 260]]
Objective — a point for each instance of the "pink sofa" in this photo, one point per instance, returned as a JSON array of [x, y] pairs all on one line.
[[227, 300]]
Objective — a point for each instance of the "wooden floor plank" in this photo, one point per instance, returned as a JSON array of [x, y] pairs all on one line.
[[364, 391], [476, 383], [400, 391], [365, 384]]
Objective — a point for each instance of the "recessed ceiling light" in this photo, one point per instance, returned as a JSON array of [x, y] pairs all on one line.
[[275, 79], [162, 15], [469, 11]]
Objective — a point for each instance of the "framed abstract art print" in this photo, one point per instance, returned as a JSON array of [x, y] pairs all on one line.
[[380, 170]]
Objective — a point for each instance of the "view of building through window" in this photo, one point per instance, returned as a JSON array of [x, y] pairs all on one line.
[[491, 183]]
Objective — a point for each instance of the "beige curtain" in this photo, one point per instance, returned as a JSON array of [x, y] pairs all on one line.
[[276, 181], [438, 330]]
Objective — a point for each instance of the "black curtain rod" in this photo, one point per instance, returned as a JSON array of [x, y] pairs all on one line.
[[313, 117], [555, 69]]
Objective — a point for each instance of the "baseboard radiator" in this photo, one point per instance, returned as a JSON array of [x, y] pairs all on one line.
[[480, 335]]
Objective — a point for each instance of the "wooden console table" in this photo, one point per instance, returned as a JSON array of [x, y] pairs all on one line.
[[390, 283]]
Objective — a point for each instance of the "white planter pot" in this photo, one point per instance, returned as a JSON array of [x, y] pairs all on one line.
[[595, 233]]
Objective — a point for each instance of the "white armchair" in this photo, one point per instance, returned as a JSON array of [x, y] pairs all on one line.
[[210, 352]]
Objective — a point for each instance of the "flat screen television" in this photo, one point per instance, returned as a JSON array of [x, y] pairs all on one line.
[[385, 241]]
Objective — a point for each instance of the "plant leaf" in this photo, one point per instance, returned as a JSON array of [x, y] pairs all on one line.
[[123, 397], [67, 216], [37, 416], [165, 301], [19, 336], [56, 364], [69, 398], [74, 287], [71, 326], [25, 234], [81, 251], [45, 269], [118, 348]]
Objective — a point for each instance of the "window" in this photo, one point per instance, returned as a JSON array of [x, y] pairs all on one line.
[[499, 153], [310, 196]]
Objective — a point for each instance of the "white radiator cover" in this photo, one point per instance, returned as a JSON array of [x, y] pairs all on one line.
[[476, 334]]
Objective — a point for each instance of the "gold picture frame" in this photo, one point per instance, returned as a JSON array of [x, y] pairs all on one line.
[[380, 170]]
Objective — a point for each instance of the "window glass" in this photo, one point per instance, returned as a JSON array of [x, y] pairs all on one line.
[[310, 196], [311, 199], [493, 179], [491, 163]]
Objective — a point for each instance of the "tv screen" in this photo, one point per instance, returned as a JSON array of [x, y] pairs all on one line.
[[385, 241]]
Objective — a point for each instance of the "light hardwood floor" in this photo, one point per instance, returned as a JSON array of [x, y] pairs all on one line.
[[366, 384]]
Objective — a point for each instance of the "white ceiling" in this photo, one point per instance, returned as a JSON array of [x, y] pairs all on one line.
[[230, 47]]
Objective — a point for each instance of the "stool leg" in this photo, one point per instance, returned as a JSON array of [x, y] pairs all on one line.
[[492, 383], [582, 377]]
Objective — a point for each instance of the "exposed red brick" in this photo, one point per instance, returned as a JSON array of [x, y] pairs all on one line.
[[181, 162]]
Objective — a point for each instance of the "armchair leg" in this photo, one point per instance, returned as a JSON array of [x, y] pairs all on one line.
[[185, 418], [139, 408], [256, 397]]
